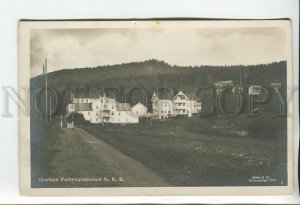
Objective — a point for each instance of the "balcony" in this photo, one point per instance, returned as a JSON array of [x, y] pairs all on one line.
[[180, 100], [105, 114], [181, 107], [105, 108]]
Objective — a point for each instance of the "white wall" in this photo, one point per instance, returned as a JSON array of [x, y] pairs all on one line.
[[139, 110]]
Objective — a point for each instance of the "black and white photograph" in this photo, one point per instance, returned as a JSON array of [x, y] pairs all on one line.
[[149, 106]]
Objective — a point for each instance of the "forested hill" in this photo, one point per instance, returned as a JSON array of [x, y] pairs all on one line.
[[153, 73]]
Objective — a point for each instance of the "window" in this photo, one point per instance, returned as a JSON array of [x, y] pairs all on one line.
[[184, 111], [112, 113], [169, 112], [86, 100], [119, 113], [104, 106], [162, 111]]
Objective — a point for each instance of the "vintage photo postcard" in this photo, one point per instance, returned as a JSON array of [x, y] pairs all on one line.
[[156, 107]]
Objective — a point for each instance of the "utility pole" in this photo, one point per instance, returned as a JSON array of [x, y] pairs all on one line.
[[46, 85], [240, 76], [50, 107]]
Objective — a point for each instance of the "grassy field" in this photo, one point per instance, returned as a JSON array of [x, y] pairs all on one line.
[[185, 152], [43, 142]]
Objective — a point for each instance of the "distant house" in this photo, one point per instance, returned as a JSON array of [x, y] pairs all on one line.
[[220, 85], [223, 84], [165, 106], [255, 90], [139, 110]]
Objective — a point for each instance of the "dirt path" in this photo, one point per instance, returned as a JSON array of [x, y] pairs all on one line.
[[79, 154]]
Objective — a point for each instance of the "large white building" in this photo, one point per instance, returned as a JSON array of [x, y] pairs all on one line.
[[171, 106], [103, 110]]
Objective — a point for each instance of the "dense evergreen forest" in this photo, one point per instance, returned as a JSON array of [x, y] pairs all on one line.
[[153, 73]]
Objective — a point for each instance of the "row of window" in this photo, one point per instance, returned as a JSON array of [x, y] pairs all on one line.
[[181, 97], [89, 113], [169, 112], [87, 100], [104, 106], [106, 120], [83, 100], [179, 104]]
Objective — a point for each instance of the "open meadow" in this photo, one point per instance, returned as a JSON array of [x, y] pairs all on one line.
[[173, 153]]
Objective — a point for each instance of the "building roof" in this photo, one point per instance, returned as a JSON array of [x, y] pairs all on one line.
[[93, 94], [123, 107], [105, 98], [139, 104], [223, 83], [83, 107], [180, 93], [170, 96], [163, 95]]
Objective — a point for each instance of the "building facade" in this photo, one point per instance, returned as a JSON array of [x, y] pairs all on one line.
[[102, 110], [180, 104]]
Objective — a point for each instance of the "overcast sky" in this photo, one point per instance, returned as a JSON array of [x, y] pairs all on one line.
[[73, 48]]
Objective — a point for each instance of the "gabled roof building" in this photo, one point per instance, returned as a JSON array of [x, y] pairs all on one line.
[[102, 110], [171, 106]]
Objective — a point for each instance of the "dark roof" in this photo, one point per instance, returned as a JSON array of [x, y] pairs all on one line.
[[83, 107], [85, 94], [140, 104], [170, 96], [123, 107]]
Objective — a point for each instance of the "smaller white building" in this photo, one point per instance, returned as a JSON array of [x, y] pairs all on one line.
[[123, 114], [139, 110], [171, 106]]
